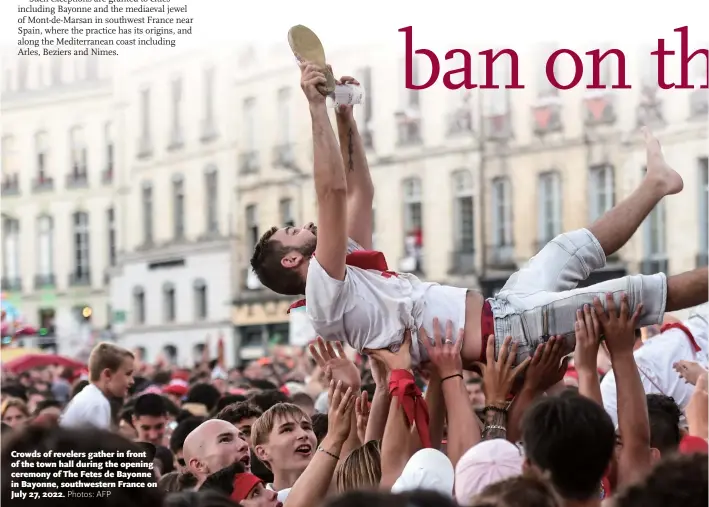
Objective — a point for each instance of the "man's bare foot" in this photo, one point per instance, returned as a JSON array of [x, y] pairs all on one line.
[[689, 371], [658, 170]]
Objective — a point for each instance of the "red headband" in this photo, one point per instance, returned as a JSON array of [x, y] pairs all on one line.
[[243, 484]]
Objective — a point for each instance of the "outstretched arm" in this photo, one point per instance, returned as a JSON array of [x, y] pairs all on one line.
[[360, 190], [330, 180]]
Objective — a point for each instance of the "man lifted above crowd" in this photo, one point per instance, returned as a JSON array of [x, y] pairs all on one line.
[[353, 297]]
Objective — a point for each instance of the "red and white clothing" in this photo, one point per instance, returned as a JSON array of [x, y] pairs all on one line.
[[656, 357]]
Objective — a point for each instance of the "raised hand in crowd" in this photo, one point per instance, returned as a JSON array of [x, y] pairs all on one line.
[[380, 374], [313, 484], [463, 429], [311, 77], [335, 363], [588, 341], [396, 360], [444, 354], [499, 375], [618, 326], [546, 367], [690, 371], [698, 409], [362, 411]]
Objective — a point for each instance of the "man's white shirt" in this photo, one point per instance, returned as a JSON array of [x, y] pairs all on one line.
[[90, 407]]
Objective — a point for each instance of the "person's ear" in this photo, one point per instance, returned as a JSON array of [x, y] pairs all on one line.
[[292, 260], [261, 453], [655, 455]]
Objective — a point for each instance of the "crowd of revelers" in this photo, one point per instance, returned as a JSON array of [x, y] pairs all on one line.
[[417, 394]]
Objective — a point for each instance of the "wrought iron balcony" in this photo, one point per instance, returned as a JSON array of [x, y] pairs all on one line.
[[500, 257], [12, 284], [80, 278], [79, 179], [10, 185], [44, 281], [462, 262], [42, 184]]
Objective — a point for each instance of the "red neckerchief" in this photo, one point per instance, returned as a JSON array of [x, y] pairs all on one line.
[[403, 386], [363, 259], [678, 325]]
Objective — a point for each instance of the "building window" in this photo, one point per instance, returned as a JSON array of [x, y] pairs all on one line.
[[147, 199], [168, 294], [284, 106], [79, 154], [252, 232], [111, 225], [42, 155], [45, 249], [139, 305], [81, 274], [11, 249], [464, 215], [176, 94], [211, 196], [144, 147], [56, 71], [170, 353], [178, 196], [365, 111], [200, 299], [703, 205], [109, 151], [549, 211], [546, 90], [602, 190], [208, 127], [250, 123], [286, 211], [413, 224], [501, 212]]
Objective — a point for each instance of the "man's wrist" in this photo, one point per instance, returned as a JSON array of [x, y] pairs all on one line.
[[333, 444], [317, 108]]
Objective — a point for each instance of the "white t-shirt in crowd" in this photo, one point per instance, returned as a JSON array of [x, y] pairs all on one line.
[[369, 309], [90, 407], [655, 359], [282, 494]]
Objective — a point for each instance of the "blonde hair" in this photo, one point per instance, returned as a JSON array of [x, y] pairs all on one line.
[[14, 402], [361, 469], [263, 426], [106, 355]]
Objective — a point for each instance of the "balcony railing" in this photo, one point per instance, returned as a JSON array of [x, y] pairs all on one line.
[[11, 284], [462, 262], [10, 185], [80, 279], [500, 256], [653, 266], [44, 281], [42, 184], [77, 180], [248, 162]]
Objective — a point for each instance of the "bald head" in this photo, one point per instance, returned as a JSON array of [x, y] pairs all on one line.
[[213, 445]]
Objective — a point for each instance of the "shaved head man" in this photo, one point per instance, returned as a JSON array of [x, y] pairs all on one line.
[[214, 445]]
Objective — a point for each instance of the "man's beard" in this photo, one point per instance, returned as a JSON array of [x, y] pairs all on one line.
[[308, 249]]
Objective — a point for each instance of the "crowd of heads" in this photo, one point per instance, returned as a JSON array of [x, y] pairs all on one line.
[[245, 436]]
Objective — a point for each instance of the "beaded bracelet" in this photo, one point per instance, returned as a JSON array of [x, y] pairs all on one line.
[[322, 449], [489, 427]]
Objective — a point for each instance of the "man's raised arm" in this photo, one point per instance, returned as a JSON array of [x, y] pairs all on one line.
[[330, 179], [360, 189]]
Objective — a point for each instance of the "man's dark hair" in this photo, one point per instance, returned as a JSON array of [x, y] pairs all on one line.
[[475, 380], [266, 263], [663, 415], [266, 399], [85, 441], [197, 499], [226, 400], [47, 403], [184, 428], [204, 393], [222, 481], [171, 408], [572, 438], [262, 384], [678, 480], [237, 412], [419, 498], [162, 378], [166, 458], [151, 404], [319, 426]]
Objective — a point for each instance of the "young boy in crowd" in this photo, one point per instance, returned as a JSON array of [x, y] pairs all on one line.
[[110, 376], [283, 439]]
